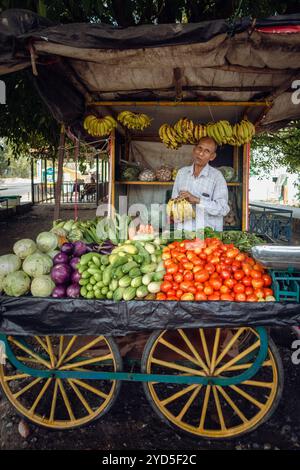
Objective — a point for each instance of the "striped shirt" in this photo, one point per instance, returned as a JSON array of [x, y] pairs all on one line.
[[210, 186]]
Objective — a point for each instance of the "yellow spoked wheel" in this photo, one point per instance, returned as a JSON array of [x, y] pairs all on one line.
[[61, 403], [212, 410]]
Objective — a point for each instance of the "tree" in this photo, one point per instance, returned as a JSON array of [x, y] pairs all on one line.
[[26, 122]]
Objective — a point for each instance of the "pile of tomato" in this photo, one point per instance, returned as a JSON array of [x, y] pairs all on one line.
[[211, 270]]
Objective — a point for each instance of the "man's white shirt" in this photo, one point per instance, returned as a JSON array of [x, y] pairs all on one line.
[[210, 186]]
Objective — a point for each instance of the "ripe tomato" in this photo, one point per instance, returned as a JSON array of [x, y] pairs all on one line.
[[214, 297], [171, 292], [257, 283], [165, 256], [251, 298], [240, 257], [228, 261], [197, 261], [192, 290], [185, 285], [268, 291], [236, 263], [175, 285], [239, 274], [258, 267], [178, 277], [232, 253], [179, 293], [199, 286], [267, 280], [188, 265], [172, 268], [200, 296], [180, 270], [161, 296], [235, 268], [208, 251], [202, 256], [246, 267], [215, 275], [171, 246], [255, 274], [168, 277], [239, 288], [201, 276], [216, 284], [230, 283], [187, 296], [247, 281], [197, 268], [259, 293], [225, 274], [210, 268], [168, 262], [165, 286], [228, 297], [188, 276], [250, 261], [208, 290], [240, 297], [224, 290], [249, 291]]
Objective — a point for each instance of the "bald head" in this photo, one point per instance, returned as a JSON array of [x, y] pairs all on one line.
[[210, 141]]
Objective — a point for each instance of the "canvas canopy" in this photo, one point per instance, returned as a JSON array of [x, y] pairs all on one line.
[[248, 61]]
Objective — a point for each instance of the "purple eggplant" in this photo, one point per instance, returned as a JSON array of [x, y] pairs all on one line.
[[73, 291], [67, 248], [61, 274], [75, 277], [79, 248], [61, 258], [74, 261], [59, 292]]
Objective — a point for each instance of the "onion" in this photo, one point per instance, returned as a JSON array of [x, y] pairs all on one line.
[[61, 273], [74, 261], [67, 248], [79, 248], [61, 258], [59, 292], [73, 291], [75, 277]]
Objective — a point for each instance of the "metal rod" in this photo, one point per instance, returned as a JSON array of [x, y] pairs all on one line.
[[61, 152], [97, 179], [179, 103], [32, 181]]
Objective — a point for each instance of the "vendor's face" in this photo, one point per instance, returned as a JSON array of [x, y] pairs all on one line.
[[204, 151]]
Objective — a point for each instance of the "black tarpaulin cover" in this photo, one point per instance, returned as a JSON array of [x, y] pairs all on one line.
[[40, 316]]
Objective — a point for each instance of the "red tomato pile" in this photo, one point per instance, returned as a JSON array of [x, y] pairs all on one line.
[[210, 270]]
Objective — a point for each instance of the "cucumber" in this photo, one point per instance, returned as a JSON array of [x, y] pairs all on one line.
[[130, 249], [150, 248], [107, 273], [141, 292], [129, 293], [138, 258], [118, 273], [136, 282], [97, 260], [154, 287], [98, 276], [128, 266], [85, 275], [153, 258], [142, 252], [100, 284], [104, 290], [125, 281], [118, 294], [109, 295], [93, 271], [84, 282], [83, 291], [105, 260], [134, 272], [158, 276], [98, 295], [119, 261], [90, 295], [89, 287], [93, 281], [113, 285], [148, 268], [147, 278]]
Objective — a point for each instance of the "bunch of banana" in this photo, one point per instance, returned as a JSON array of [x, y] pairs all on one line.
[[199, 132], [99, 127], [184, 128], [134, 120], [169, 137], [242, 133], [180, 210], [220, 131]]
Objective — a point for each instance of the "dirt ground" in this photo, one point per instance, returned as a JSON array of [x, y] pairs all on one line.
[[132, 424]]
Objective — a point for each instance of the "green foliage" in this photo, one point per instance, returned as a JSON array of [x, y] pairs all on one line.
[[12, 166]]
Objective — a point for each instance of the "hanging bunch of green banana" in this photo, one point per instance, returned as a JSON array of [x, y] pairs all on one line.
[[99, 127], [137, 121], [169, 137], [220, 131], [242, 133]]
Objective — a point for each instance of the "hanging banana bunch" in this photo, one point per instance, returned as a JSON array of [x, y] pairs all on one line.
[[169, 137], [180, 210], [134, 120], [99, 127]]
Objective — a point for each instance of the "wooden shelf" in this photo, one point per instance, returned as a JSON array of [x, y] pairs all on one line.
[[166, 183]]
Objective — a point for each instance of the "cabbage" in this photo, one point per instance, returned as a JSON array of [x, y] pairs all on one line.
[[60, 232], [16, 284], [1, 284], [42, 286], [24, 248], [37, 264], [53, 253], [9, 264], [228, 172], [47, 241]]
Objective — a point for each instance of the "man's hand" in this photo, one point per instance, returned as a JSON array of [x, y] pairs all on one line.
[[189, 197]]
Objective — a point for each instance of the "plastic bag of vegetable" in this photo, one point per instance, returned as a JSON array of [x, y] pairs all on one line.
[[228, 172], [25, 247], [9, 264], [37, 264], [47, 241], [42, 286], [16, 284]]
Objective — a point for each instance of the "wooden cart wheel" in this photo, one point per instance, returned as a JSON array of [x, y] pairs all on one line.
[[61, 403], [212, 411]]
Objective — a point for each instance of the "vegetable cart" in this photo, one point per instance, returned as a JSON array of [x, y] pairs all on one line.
[[208, 368], [201, 371]]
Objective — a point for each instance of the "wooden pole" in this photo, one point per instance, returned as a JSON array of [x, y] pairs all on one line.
[[179, 103], [32, 180], [97, 179], [61, 153]]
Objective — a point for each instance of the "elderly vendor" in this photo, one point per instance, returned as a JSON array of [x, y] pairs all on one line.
[[203, 186]]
